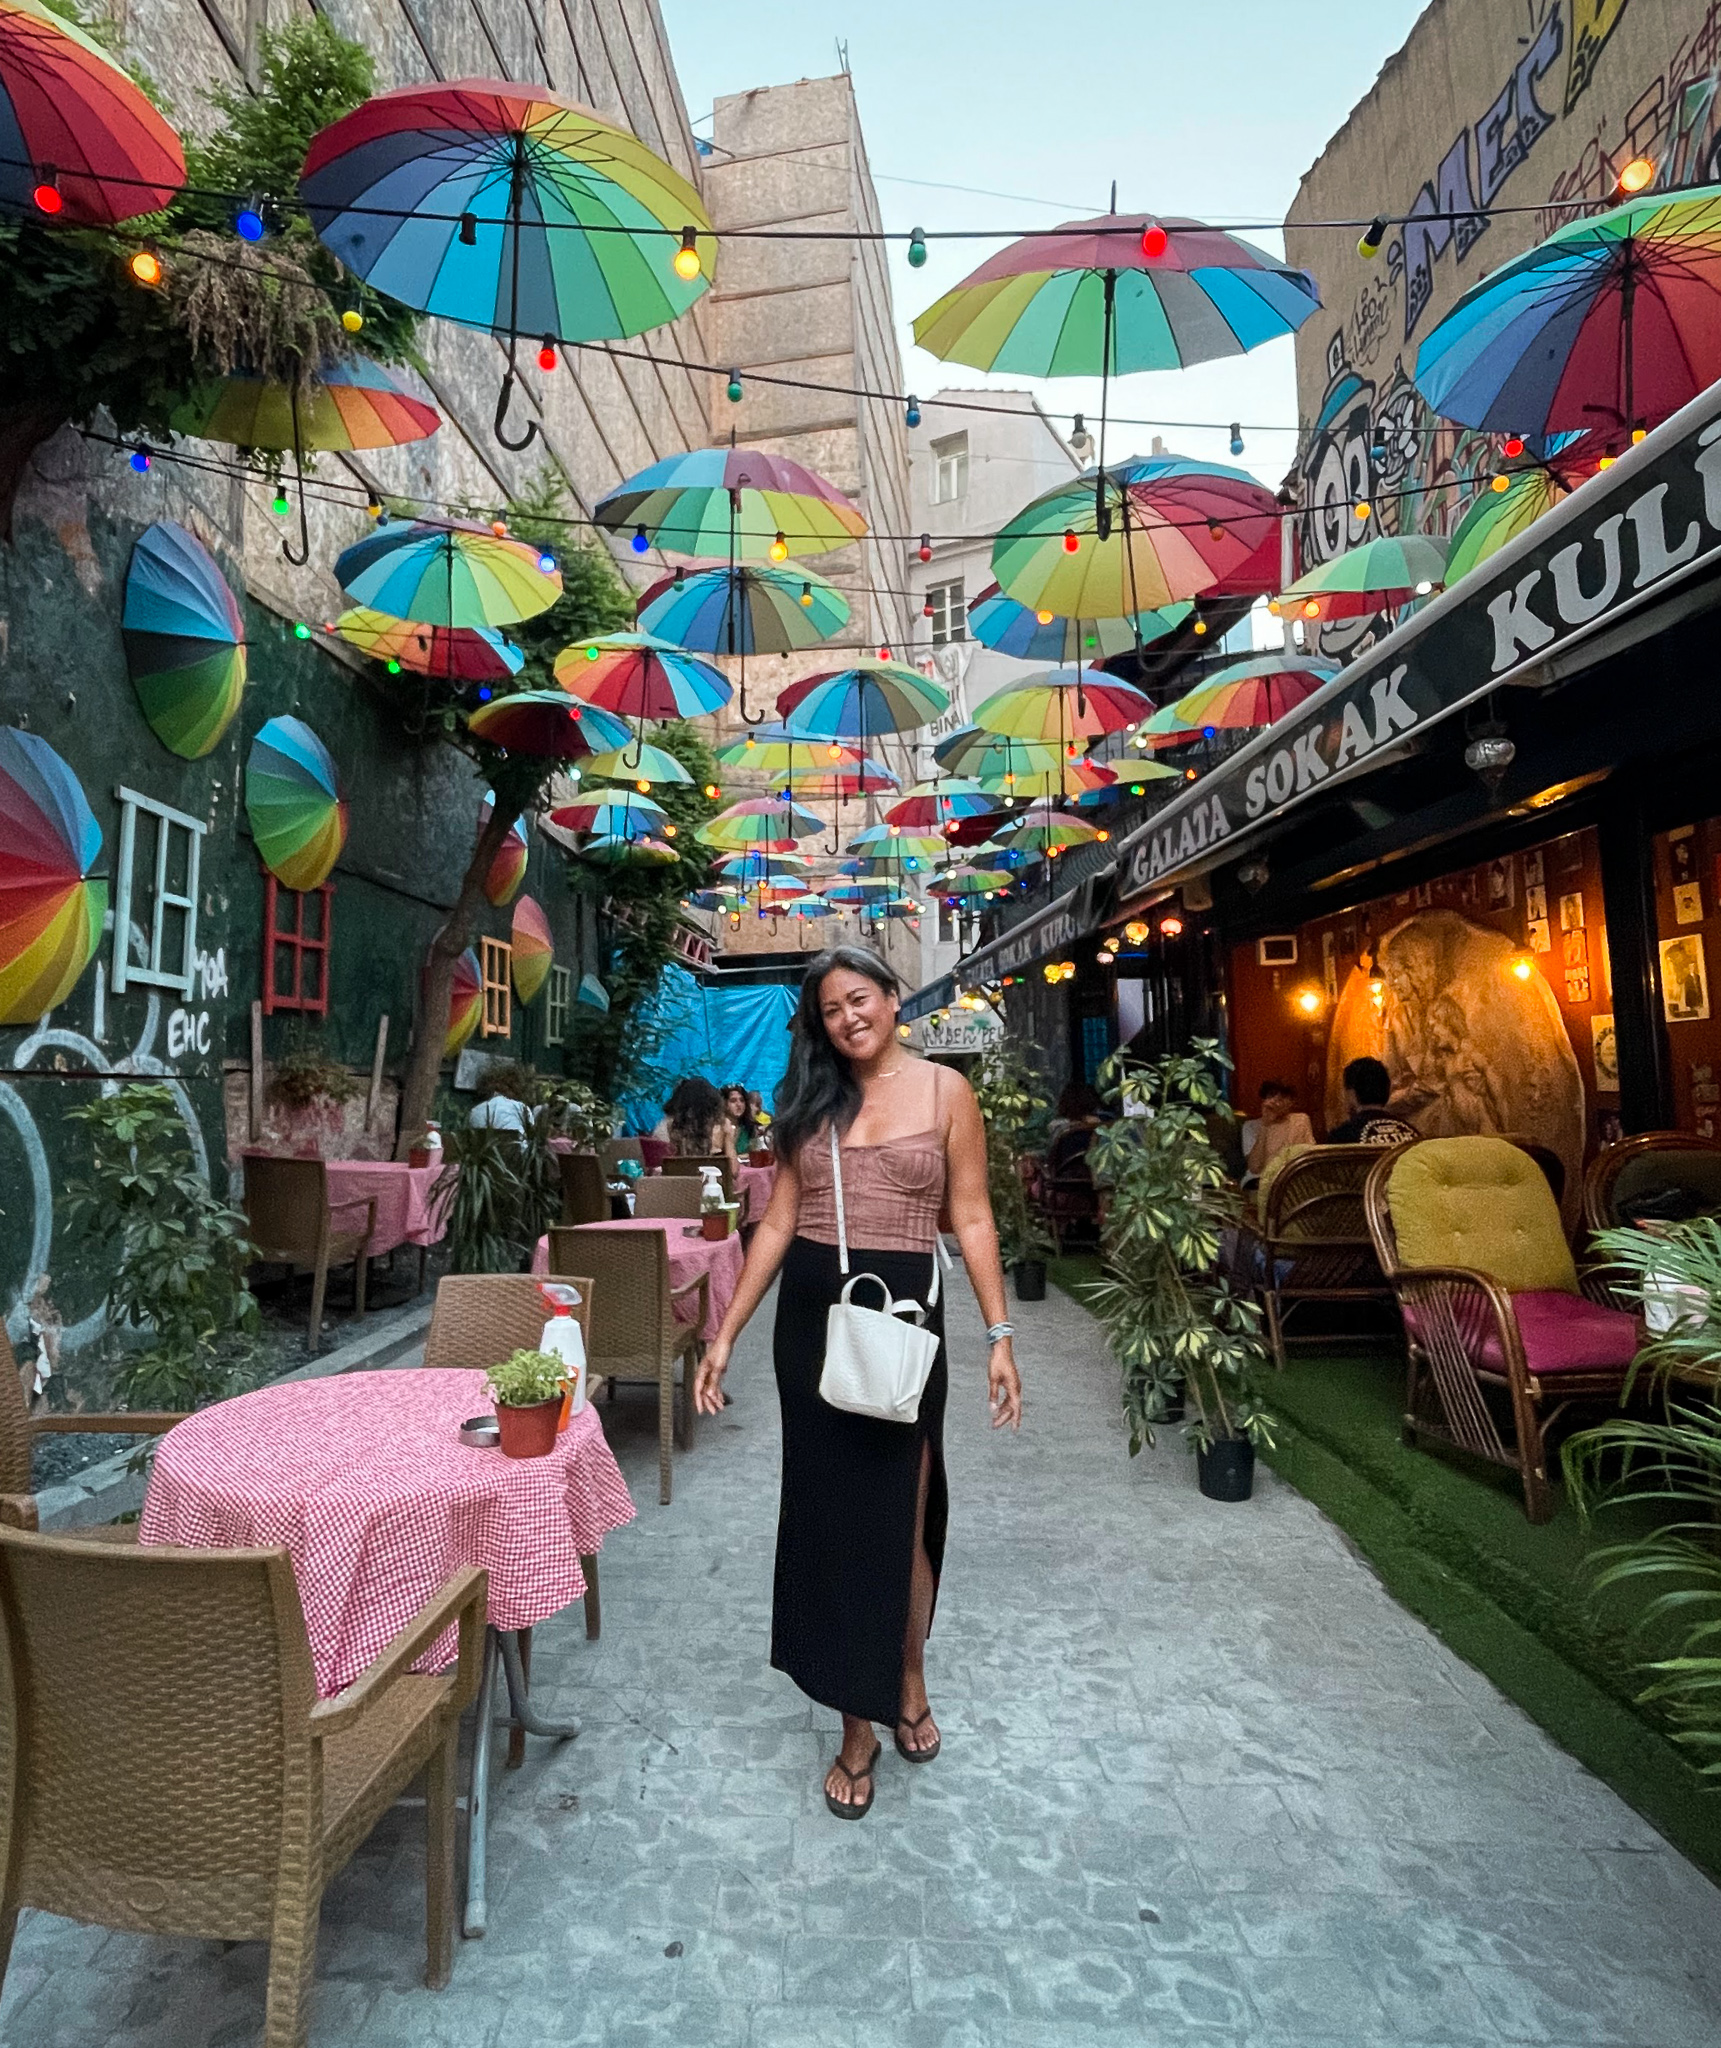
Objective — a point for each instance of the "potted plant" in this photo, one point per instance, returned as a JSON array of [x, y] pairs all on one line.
[[1011, 1095], [526, 1388], [1176, 1329]]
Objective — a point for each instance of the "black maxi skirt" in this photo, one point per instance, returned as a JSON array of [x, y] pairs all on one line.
[[845, 1528]]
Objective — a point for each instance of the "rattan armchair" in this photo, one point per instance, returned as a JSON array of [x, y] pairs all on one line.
[[18, 1427], [1313, 1238], [1523, 1332], [667, 1194], [166, 1766], [585, 1188], [634, 1332], [1651, 1163], [290, 1223], [690, 1163]]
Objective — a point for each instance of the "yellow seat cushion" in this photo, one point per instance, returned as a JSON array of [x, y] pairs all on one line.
[[1480, 1203]]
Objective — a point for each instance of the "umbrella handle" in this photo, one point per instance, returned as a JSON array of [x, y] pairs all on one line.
[[304, 555], [503, 399]]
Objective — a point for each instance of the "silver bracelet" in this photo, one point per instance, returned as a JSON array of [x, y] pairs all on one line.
[[997, 1332]]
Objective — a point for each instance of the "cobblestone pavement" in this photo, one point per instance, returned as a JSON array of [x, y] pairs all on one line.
[[1202, 1781]]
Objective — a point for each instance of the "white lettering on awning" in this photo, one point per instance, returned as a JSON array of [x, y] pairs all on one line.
[[1516, 627]]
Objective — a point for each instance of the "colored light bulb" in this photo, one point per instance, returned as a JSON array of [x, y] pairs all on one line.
[[547, 562], [807, 602], [140, 460], [145, 267], [688, 263], [547, 357], [248, 224], [1514, 444], [352, 319], [779, 549], [912, 416], [916, 249], [1071, 543], [48, 197], [640, 543], [280, 505], [734, 387], [1154, 241]]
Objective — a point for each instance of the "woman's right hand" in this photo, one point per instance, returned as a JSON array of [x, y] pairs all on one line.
[[708, 1380]]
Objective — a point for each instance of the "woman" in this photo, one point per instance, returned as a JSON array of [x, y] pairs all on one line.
[[740, 1114], [693, 1122], [860, 1533]]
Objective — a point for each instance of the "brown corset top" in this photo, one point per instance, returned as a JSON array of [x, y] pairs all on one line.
[[892, 1193]]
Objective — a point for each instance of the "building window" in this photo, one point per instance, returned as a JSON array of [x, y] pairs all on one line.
[[557, 1005], [949, 612], [949, 468], [949, 922], [297, 928], [496, 958], [160, 850]]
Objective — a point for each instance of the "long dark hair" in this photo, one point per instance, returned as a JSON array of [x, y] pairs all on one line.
[[746, 1124], [692, 1111], [820, 1086]]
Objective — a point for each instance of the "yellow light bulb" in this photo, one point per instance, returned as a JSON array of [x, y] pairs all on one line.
[[1500, 483], [1637, 176], [687, 264], [145, 267], [644, 788], [1521, 966], [779, 549]]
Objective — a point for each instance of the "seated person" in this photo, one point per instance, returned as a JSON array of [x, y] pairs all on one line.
[[1280, 1125], [1367, 1085], [499, 1107], [740, 1114], [1079, 1107], [693, 1122]]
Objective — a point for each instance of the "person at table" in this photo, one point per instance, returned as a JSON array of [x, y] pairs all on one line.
[[499, 1106], [739, 1111], [1280, 1125], [693, 1122], [864, 1506], [1368, 1121]]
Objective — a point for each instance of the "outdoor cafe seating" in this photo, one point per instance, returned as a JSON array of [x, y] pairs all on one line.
[[292, 1222], [1313, 1239], [19, 1428]]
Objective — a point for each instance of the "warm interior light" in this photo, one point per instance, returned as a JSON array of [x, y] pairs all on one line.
[[1135, 931], [1171, 927], [145, 267], [1637, 176], [1309, 1001], [687, 262], [1521, 966]]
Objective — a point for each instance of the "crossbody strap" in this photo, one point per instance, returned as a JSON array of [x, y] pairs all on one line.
[[837, 1183]]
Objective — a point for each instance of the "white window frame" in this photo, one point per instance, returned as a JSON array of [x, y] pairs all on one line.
[[949, 602], [558, 1002], [154, 973], [950, 468]]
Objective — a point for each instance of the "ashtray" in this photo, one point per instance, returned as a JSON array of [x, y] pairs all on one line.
[[482, 1432]]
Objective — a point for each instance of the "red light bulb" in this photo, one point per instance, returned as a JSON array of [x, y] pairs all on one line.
[[48, 198], [547, 358], [1154, 241], [1514, 444], [1071, 543]]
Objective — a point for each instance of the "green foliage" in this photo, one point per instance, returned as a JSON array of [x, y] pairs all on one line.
[[526, 1379], [1012, 1095], [1172, 1322], [577, 1113], [305, 1074], [179, 1255], [1672, 1464], [503, 1190]]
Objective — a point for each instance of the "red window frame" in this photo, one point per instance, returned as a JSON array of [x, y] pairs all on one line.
[[304, 956]]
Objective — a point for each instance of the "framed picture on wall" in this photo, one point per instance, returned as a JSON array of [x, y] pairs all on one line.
[[1502, 883], [1575, 957], [1534, 876], [1684, 980], [1538, 937], [1688, 903], [1682, 855], [1330, 964], [1606, 1055], [1535, 901], [1572, 912]]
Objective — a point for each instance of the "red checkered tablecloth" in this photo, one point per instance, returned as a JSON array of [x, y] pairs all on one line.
[[363, 1479], [754, 1185], [690, 1254], [405, 1212]]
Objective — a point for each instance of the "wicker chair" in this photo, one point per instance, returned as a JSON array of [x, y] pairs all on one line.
[[634, 1333], [690, 1163], [1313, 1237], [18, 1427], [120, 1659], [1064, 1189], [291, 1223], [1637, 1167], [585, 1188], [667, 1194], [614, 1150], [1523, 1330]]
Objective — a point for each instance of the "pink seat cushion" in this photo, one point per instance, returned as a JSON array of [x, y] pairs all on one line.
[[1566, 1333]]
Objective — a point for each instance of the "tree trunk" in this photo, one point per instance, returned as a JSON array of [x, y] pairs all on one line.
[[23, 429], [430, 1018]]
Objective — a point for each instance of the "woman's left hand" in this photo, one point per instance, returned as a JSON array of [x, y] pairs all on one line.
[[1004, 1386]]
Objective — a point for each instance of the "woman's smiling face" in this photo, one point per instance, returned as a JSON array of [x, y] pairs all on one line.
[[859, 1016]]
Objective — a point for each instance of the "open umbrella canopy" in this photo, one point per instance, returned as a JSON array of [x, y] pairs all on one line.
[[1042, 828], [1063, 705], [454, 654], [860, 889], [959, 883], [1247, 693], [987, 756], [862, 702], [465, 1001], [638, 762], [1614, 319], [637, 675], [724, 900], [1064, 778], [768, 824], [774, 750], [887, 838], [1376, 577], [508, 869], [293, 800], [506, 207], [759, 866], [184, 640], [754, 608], [1133, 778], [1017, 629], [934, 805], [618, 816], [736, 503], [1494, 517], [340, 405], [51, 912], [548, 723], [534, 949], [447, 575], [841, 780], [72, 121], [617, 852], [807, 906]]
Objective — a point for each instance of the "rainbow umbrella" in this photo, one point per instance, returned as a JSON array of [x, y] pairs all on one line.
[[752, 608], [293, 799], [339, 405], [842, 780], [73, 124], [627, 817], [465, 1002], [939, 804], [959, 883], [748, 868], [724, 900], [1061, 778], [615, 852], [988, 756], [860, 889], [1062, 705], [862, 702], [510, 208], [1017, 629], [1250, 693], [508, 869], [886, 837], [774, 750], [1497, 516], [737, 503], [549, 723], [456, 654], [1042, 828], [51, 912], [184, 640], [534, 948], [448, 575], [808, 906], [1615, 319], [637, 675], [904, 907], [765, 824], [1379, 576], [640, 762]]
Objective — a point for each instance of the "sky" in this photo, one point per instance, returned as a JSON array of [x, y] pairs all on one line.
[[1205, 107]]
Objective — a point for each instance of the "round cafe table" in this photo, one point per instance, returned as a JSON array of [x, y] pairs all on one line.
[[754, 1185], [363, 1480], [690, 1254]]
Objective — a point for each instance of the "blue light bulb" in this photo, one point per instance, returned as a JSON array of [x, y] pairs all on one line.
[[248, 224], [140, 460], [484, 696], [547, 562], [1209, 732], [640, 543]]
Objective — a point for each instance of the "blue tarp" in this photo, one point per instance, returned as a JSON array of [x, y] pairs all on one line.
[[724, 1034]]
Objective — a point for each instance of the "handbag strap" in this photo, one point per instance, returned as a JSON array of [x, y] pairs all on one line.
[[837, 1183]]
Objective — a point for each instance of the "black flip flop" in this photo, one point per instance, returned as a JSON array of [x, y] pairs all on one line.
[[851, 1809], [915, 1756]]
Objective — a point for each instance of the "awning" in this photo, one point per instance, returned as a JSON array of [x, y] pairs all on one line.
[[1626, 545], [1060, 924], [936, 995]]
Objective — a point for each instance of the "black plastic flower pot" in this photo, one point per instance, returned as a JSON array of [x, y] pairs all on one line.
[[1226, 1469], [1030, 1278]]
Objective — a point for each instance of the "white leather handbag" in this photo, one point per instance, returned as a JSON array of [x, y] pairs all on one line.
[[876, 1360]]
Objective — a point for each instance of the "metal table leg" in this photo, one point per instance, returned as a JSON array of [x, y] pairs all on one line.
[[478, 1797], [519, 1699]]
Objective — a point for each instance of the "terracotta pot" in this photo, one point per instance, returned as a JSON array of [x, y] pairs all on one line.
[[715, 1224], [529, 1432]]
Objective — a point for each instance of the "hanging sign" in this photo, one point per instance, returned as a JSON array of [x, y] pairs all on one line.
[[961, 1031]]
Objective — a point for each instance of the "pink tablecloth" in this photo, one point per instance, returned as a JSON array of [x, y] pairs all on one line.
[[405, 1214], [754, 1184], [364, 1480], [721, 1257]]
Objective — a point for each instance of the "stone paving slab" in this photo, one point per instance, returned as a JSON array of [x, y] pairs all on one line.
[[1203, 1781]]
